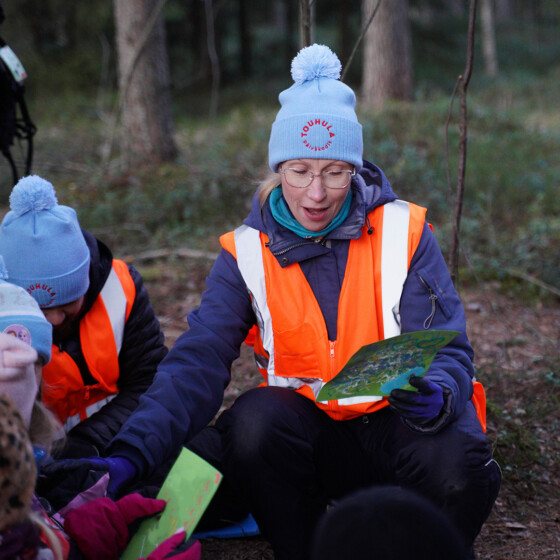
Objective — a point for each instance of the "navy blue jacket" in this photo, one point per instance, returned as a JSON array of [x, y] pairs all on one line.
[[189, 385]]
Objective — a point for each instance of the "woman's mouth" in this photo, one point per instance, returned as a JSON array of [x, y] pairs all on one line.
[[315, 214]]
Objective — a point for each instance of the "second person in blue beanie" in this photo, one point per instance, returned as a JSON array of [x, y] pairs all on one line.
[[107, 342]]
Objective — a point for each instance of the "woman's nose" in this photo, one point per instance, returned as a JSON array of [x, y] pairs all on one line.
[[316, 190]]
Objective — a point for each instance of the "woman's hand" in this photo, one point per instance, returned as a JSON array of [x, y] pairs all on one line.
[[418, 407]]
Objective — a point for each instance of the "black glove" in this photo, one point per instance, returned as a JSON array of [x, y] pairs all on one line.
[[59, 482]]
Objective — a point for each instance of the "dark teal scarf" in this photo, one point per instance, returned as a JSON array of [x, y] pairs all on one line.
[[281, 213]]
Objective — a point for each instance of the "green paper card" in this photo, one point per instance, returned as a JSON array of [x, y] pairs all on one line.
[[378, 368], [188, 489]]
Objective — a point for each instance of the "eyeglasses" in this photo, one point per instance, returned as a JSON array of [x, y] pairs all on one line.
[[331, 179]]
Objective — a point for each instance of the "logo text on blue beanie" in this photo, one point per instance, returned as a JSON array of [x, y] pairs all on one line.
[[42, 293], [317, 134]]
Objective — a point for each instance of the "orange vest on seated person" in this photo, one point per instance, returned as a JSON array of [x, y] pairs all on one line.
[[291, 344], [101, 335]]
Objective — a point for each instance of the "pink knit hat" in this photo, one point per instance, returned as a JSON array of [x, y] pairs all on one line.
[[17, 373]]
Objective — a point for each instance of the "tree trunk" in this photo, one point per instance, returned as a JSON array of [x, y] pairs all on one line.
[[504, 10], [387, 60], [244, 39], [147, 130], [345, 36], [489, 52], [307, 22]]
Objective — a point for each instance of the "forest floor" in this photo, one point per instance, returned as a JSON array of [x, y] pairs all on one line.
[[517, 347]]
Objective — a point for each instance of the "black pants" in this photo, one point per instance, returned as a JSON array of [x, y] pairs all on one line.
[[287, 460]]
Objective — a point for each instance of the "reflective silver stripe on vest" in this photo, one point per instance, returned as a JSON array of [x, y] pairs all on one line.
[[394, 263], [90, 410], [250, 263], [114, 298], [394, 269]]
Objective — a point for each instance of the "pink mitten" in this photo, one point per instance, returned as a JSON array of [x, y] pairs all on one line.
[[170, 544], [100, 527]]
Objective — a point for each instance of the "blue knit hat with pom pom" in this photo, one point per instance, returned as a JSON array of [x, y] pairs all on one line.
[[317, 118], [43, 246]]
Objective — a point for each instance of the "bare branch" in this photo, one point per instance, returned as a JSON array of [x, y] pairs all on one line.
[[179, 252], [359, 40], [447, 132], [533, 280], [306, 18], [214, 60], [463, 83]]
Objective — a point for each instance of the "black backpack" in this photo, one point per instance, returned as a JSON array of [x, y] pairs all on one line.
[[12, 98]]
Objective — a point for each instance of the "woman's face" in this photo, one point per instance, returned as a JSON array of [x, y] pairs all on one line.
[[63, 318], [315, 206]]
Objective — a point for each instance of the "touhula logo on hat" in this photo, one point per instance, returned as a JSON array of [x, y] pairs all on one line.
[[319, 138], [43, 294]]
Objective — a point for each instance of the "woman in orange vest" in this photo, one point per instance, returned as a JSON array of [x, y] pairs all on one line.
[[327, 261]]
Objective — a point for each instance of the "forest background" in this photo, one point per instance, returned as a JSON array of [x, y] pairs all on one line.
[[227, 62]]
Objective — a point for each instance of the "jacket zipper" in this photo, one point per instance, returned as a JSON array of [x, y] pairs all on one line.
[[284, 251], [332, 371], [433, 299]]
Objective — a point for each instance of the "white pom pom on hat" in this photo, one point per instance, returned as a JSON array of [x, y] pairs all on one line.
[[316, 61], [32, 194], [317, 117]]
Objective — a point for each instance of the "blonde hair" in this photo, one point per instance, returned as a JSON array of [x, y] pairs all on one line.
[[44, 428], [50, 536], [269, 183]]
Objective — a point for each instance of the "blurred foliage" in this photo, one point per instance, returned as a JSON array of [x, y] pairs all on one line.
[[510, 217]]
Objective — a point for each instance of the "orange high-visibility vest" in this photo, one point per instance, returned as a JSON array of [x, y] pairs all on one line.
[[101, 335], [291, 343]]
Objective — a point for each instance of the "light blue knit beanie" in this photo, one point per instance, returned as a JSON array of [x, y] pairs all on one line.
[[43, 246], [21, 316], [317, 118]]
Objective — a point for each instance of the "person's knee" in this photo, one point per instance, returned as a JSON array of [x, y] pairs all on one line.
[[448, 465], [267, 423], [255, 419]]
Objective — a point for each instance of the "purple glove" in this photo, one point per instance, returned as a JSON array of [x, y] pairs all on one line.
[[121, 471], [418, 407]]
